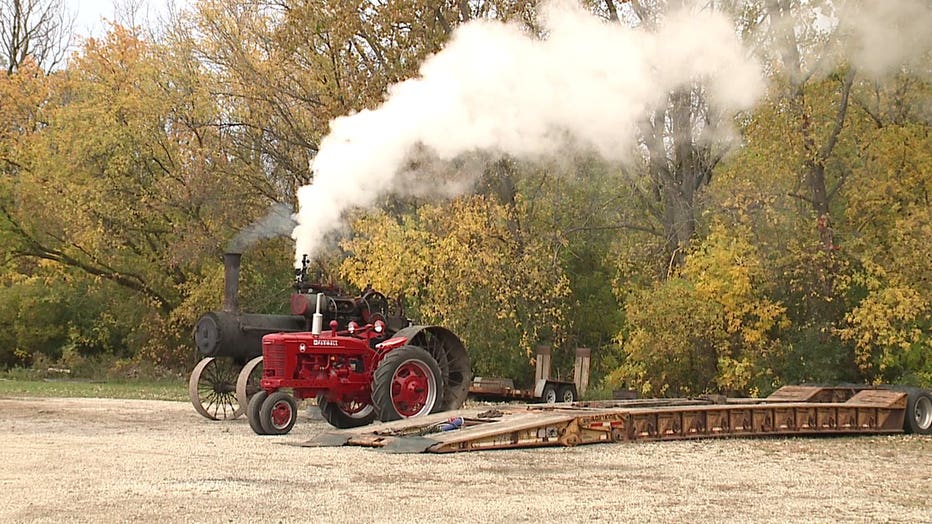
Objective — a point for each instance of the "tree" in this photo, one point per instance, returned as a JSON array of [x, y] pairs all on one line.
[[120, 173], [711, 328], [41, 29], [462, 266]]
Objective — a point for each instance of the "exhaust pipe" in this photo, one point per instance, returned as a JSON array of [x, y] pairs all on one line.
[[231, 263], [317, 323]]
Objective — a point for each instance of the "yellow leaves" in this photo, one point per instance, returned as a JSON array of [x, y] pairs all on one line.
[[711, 327], [467, 266], [735, 374], [727, 269], [889, 328]]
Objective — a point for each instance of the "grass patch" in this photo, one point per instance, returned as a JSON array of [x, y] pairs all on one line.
[[142, 389]]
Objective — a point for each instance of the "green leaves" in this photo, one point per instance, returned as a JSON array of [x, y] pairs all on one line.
[[711, 328], [123, 175]]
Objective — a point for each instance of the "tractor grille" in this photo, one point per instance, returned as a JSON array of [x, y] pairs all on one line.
[[273, 360]]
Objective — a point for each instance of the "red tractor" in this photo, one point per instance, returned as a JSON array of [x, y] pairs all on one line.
[[363, 367]]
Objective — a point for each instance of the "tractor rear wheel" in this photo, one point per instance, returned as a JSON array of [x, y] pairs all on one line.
[[407, 383], [252, 411], [345, 415], [278, 413]]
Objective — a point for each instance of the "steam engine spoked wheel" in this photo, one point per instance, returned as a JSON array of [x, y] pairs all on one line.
[[351, 414], [406, 384], [278, 413], [247, 382], [212, 389]]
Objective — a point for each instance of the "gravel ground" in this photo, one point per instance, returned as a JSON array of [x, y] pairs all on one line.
[[97, 460]]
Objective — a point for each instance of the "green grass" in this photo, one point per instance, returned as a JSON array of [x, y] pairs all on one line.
[[161, 389]]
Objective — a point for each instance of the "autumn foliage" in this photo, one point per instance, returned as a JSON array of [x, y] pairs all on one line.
[[804, 254]]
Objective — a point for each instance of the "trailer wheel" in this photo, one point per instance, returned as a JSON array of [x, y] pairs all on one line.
[[247, 382], [566, 394], [212, 389], [407, 383], [345, 415], [549, 394], [278, 413], [252, 412], [919, 412]]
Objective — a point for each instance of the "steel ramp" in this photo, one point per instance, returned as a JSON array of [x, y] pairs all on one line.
[[862, 411]]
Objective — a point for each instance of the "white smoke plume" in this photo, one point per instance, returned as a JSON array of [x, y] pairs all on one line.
[[884, 35], [497, 89], [277, 222]]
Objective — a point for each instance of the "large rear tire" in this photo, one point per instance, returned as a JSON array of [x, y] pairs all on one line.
[[918, 412], [451, 357], [407, 383], [345, 415]]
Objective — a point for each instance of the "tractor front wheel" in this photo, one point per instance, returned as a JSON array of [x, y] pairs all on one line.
[[406, 384], [278, 413], [253, 409]]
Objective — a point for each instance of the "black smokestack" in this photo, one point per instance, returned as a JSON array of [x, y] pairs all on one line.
[[231, 262]]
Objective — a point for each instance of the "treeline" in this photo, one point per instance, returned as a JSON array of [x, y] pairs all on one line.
[[794, 246]]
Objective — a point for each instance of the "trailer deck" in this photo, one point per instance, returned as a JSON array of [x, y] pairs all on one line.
[[790, 411]]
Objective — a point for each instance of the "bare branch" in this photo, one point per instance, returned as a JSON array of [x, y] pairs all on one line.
[[41, 29], [826, 150]]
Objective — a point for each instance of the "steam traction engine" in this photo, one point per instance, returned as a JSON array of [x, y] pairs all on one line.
[[359, 361]]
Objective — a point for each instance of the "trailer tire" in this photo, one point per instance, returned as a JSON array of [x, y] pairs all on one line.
[[407, 383], [278, 413], [252, 411], [566, 394], [549, 394], [338, 417], [918, 412]]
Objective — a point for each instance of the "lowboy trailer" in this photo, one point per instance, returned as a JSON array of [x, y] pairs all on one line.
[[790, 411]]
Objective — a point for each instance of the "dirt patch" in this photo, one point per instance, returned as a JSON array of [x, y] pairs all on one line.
[[118, 460]]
